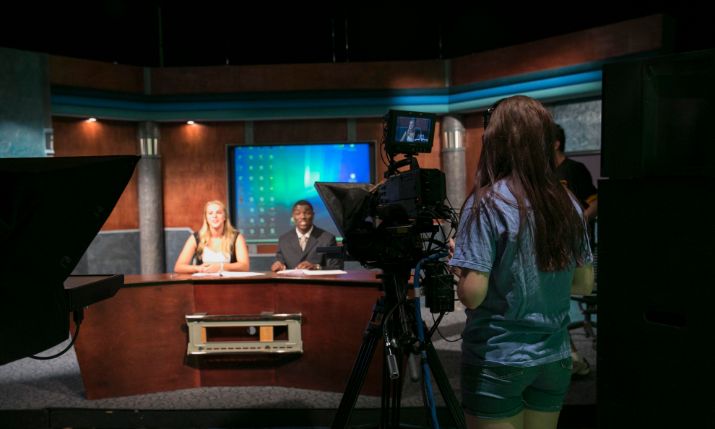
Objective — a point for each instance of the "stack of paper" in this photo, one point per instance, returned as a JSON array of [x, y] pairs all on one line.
[[232, 274], [311, 272]]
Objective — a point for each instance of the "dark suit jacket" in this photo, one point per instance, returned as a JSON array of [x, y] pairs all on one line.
[[290, 254]]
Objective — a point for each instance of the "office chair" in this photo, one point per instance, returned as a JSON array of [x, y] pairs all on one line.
[[588, 305]]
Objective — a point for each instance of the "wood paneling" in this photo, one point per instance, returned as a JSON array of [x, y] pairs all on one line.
[[474, 125], [296, 131], [371, 129], [77, 137], [65, 71], [194, 168], [266, 248], [298, 77], [601, 43], [328, 321], [597, 44], [136, 342]]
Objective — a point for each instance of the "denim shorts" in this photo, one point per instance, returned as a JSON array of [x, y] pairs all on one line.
[[495, 392]]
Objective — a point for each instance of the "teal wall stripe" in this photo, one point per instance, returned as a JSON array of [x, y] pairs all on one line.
[[528, 87], [66, 102], [583, 90]]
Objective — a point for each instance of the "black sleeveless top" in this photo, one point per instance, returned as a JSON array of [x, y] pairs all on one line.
[[197, 256]]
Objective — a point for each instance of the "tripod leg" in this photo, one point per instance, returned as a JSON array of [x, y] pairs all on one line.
[[453, 406], [362, 363]]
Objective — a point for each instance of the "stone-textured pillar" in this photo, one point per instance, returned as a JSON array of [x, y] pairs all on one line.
[[24, 104], [453, 160], [151, 208]]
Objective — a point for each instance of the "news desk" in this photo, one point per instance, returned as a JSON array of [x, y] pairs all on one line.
[[136, 342]]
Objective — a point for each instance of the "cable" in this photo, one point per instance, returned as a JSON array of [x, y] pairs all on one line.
[[440, 332], [435, 324], [382, 154], [429, 395], [388, 313], [77, 316]]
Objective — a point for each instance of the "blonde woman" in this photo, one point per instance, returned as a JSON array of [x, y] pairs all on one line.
[[216, 247]]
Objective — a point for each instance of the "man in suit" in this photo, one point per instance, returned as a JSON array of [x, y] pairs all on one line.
[[297, 249]]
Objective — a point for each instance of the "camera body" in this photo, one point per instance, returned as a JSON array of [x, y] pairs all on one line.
[[402, 219], [394, 217], [415, 191]]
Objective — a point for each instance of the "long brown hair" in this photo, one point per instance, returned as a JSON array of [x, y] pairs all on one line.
[[518, 148]]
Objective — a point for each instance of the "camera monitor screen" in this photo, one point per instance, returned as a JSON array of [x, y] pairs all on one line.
[[409, 132], [266, 180]]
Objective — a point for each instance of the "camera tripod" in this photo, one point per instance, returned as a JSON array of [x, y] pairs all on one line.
[[392, 322]]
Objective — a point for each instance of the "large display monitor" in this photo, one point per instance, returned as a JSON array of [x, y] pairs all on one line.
[[266, 180]]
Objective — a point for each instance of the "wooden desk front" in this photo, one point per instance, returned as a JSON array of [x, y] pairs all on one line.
[[135, 342]]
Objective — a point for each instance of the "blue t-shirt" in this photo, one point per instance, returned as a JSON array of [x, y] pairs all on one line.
[[524, 318]]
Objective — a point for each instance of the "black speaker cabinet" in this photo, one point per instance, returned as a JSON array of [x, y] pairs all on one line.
[[656, 296], [658, 117]]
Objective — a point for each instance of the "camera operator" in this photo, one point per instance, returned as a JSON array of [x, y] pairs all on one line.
[[521, 249], [298, 249]]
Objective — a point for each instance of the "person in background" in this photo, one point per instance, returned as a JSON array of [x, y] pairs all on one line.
[[521, 250], [576, 177], [298, 249], [216, 247]]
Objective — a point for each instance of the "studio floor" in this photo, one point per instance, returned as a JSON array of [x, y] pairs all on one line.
[[51, 394]]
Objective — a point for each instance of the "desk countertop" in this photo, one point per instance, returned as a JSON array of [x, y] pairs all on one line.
[[351, 277]]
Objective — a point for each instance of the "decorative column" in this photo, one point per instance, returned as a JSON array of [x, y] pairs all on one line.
[[151, 208], [453, 160]]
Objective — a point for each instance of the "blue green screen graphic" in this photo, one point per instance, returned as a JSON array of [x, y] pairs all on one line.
[[267, 180]]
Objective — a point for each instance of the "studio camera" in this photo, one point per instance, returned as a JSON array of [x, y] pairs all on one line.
[[404, 222], [402, 226]]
